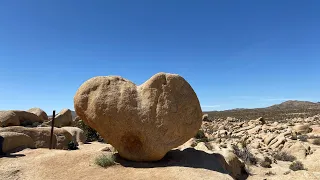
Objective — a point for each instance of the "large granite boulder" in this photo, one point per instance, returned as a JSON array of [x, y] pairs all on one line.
[[12, 141], [142, 122], [64, 118], [40, 113], [41, 136], [16, 118]]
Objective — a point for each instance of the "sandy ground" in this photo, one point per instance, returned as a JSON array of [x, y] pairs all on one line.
[[40, 164]]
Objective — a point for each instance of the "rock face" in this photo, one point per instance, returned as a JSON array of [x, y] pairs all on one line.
[[41, 136], [8, 118], [39, 112], [13, 140], [64, 118], [142, 122], [16, 118], [77, 134], [302, 128]]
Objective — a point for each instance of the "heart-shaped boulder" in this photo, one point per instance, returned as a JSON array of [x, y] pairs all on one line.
[[142, 122]]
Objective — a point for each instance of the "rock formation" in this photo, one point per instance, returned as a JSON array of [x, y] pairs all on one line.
[[142, 122]]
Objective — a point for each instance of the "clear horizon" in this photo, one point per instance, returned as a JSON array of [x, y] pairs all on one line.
[[244, 54]]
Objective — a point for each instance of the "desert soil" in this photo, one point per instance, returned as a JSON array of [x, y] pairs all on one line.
[[39, 164]]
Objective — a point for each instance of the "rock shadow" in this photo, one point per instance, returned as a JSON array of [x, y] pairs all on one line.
[[11, 155], [189, 157]]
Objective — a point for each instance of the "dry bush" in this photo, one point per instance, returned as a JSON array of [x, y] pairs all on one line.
[[296, 166], [245, 155], [105, 160], [283, 156], [266, 163]]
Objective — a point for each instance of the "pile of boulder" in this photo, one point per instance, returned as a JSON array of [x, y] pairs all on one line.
[[31, 129], [264, 140]]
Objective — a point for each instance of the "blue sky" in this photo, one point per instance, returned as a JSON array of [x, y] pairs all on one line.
[[235, 54]]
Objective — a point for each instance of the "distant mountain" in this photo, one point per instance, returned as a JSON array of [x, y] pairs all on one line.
[[284, 110], [295, 105]]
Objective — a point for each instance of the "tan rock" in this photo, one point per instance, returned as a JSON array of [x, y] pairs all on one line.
[[298, 150], [16, 118], [302, 128], [231, 119], [41, 136], [142, 122], [108, 148], [40, 113], [268, 138], [205, 117], [64, 118], [202, 147], [235, 167], [77, 134], [255, 130], [276, 142], [8, 118], [12, 141], [189, 144], [259, 121]]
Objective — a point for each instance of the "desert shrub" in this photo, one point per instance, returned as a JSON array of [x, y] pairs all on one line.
[[194, 144], [266, 163], [72, 145], [316, 141], [105, 160], [200, 136], [303, 138], [91, 134], [245, 155], [296, 166], [270, 173], [283, 156]]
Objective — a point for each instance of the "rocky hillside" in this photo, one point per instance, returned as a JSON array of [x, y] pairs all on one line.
[[283, 111]]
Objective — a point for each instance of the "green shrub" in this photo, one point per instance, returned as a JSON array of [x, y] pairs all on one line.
[[105, 160], [283, 156], [266, 163], [72, 145], [296, 166], [91, 134], [200, 136]]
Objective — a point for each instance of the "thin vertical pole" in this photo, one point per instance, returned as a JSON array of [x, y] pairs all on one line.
[[52, 125]]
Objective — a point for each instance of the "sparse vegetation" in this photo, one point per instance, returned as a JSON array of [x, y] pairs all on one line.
[[316, 142], [105, 160], [92, 135], [296, 166], [266, 163], [245, 155], [200, 136], [303, 138], [283, 156], [72, 145]]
